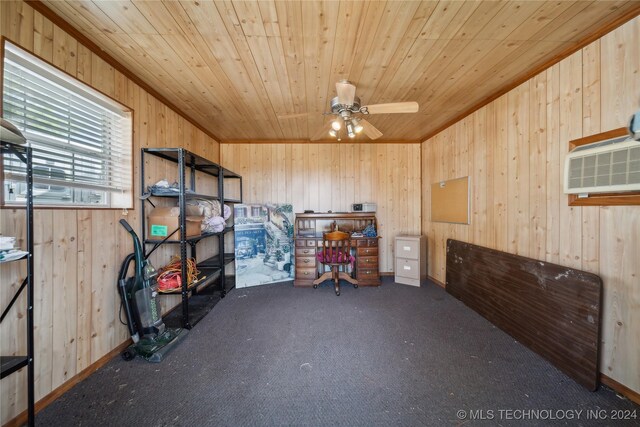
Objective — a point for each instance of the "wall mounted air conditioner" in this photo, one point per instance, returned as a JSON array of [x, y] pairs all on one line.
[[606, 166]]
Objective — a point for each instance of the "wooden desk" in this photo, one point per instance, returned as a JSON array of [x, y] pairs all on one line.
[[308, 241]]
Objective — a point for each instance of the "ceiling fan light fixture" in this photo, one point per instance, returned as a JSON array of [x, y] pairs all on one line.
[[336, 125], [333, 133], [350, 130], [357, 127]]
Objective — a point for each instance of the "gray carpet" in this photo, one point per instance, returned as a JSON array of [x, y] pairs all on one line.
[[393, 355]]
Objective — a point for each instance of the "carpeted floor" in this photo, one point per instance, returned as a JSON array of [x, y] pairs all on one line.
[[393, 355]]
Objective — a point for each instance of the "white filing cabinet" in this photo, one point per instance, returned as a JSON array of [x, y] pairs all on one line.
[[411, 259]]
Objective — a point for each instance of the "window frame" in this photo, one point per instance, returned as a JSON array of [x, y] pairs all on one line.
[[127, 141]]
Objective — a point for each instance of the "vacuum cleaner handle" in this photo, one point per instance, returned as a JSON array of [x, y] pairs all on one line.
[[137, 248], [126, 225]]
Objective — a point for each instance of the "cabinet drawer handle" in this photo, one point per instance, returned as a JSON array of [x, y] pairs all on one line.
[[366, 251], [306, 251], [306, 261], [306, 273]]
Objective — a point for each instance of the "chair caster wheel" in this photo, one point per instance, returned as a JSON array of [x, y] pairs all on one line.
[[355, 286], [338, 294], [315, 286]]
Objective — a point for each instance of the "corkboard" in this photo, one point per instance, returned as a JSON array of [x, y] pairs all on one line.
[[450, 201]]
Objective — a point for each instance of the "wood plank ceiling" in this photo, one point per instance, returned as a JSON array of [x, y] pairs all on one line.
[[236, 67]]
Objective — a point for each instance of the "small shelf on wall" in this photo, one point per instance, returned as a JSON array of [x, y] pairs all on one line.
[[603, 199]]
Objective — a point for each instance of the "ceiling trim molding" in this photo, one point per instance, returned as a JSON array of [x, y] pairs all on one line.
[[93, 47], [309, 142], [566, 53]]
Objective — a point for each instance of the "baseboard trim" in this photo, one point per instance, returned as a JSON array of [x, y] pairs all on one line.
[[437, 282], [622, 389], [21, 419]]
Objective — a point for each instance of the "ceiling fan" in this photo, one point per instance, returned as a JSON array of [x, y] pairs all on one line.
[[346, 106]]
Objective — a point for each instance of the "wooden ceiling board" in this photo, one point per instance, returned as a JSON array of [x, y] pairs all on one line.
[[575, 27], [273, 77], [126, 41], [361, 47], [247, 62], [533, 53], [129, 19], [207, 69], [460, 23], [401, 69], [318, 44], [238, 68], [222, 56], [440, 20], [387, 40], [508, 19], [290, 16]]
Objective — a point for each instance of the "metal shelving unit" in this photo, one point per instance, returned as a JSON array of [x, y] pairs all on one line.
[[10, 364], [199, 298]]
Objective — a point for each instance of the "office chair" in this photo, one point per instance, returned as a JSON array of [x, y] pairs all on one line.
[[336, 253]]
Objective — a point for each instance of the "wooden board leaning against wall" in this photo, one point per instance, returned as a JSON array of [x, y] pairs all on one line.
[[513, 150], [78, 251]]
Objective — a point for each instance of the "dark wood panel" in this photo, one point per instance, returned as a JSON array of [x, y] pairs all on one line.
[[551, 309]]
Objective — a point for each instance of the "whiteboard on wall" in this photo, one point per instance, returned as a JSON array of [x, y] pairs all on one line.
[[450, 201]]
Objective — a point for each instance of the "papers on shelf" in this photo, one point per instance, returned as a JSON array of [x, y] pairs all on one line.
[[11, 255], [7, 243]]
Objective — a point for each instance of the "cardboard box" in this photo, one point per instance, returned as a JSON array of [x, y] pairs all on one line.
[[163, 220]]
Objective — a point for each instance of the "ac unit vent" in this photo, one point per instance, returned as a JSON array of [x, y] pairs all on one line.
[[603, 167]]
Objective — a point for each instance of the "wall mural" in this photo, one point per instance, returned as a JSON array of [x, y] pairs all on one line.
[[263, 244]]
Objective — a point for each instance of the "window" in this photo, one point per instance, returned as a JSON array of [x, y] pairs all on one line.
[[81, 139]]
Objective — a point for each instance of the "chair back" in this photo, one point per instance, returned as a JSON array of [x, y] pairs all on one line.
[[336, 248]]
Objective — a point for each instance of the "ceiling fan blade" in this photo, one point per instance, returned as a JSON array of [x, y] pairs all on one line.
[[346, 92], [292, 116], [322, 133], [393, 107], [370, 130]]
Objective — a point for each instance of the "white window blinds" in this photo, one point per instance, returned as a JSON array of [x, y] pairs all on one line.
[[81, 139]]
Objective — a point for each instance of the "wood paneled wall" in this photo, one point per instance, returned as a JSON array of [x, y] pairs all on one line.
[[78, 252], [514, 149], [324, 177]]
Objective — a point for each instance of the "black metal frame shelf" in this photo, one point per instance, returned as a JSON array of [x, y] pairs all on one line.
[[197, 298], [194, 239], [11, 364], [188, 195]]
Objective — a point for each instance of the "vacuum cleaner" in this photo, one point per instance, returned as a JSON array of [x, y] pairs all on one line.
[[151, 339]]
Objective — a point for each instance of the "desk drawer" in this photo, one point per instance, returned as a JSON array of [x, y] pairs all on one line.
[[305, 261], [305, 242], [305, 251], [365, 274], [367, 242], [304, 273], [368, 262], [367, 251]]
